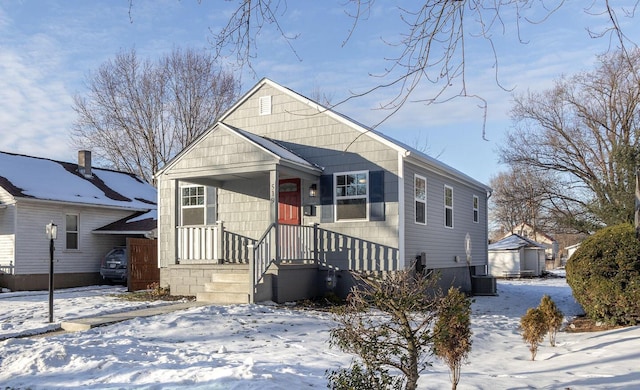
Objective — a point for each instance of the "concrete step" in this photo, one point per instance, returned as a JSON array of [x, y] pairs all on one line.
[[227, 287], [230, 277], [225, 298]]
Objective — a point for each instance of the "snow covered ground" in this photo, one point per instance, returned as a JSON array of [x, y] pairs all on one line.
[[281, 347]]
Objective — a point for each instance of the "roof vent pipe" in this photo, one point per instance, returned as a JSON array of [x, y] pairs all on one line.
[[84, 163]]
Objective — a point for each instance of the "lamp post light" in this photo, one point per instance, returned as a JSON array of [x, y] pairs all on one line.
[[52, 233]]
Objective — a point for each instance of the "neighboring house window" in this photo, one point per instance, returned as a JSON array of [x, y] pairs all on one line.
[[193, 205], [476, 202], [351, 195], [71, 231], [420, 186], [448, 206]]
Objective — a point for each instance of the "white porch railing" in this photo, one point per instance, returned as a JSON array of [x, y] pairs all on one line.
[[297, 243], [7, 269], [199, 243]]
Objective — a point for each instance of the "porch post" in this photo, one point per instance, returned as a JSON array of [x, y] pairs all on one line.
[[252, 272], [274, 187], [220, 244], [315, 243]]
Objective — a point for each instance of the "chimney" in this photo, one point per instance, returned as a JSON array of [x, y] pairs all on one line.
[[84, 163]]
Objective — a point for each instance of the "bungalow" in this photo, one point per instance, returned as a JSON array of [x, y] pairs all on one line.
[[282, 197], [94, 209]]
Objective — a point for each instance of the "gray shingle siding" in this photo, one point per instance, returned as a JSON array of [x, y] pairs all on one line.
[[330, 144]]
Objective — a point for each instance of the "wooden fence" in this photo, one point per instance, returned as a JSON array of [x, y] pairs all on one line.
[[143, 263]]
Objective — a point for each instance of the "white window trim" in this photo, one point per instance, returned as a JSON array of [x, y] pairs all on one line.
[[446, 207], [476, 209], [336, 197], [416, 200], [203, 206], [77, 232]]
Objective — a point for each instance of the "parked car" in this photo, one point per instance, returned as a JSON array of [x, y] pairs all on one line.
[[114, 265]]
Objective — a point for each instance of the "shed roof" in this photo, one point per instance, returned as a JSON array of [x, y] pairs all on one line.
[[38, 178], [514, 241], [138, 223]]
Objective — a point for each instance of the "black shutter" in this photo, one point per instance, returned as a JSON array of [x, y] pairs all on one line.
[[326, 198], [376, 196]]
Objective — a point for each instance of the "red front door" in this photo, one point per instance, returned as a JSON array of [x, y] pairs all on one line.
[[289, 202]]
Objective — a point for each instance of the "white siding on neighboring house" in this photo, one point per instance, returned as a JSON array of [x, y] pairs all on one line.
[[7, 243], [32, 246], [7, 229]]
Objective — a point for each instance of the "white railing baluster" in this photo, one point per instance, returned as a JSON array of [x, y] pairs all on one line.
[[198, 243]]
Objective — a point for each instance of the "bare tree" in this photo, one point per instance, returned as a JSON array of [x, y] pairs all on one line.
[[432, 48], [584, 131], [521, 195], [138, 114]]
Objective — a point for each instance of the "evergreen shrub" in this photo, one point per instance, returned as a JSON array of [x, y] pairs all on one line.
[[604, 275]]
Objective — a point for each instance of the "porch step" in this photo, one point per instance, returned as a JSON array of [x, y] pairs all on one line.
[[222, 298], [227, 286], [226, 277]]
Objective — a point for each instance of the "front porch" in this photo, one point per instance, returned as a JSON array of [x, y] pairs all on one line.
[[288, 263], [220, 266]]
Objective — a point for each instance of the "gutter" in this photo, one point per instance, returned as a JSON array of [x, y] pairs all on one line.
[[82, 204]]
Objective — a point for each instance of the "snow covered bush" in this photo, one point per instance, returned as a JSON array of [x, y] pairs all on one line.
[[387, 323], [553, 317], [534, 328], [604, 275]]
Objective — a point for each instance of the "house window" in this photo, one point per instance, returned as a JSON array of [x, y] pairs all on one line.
[[193, 205], [71, 231], [448, 206], [351, 195], [476, 202], [420, 194], [264, 105]]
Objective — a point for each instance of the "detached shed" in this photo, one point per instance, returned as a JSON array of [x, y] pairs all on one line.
[[516, 256]]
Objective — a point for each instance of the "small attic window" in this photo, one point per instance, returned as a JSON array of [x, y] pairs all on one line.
[[265, 105]]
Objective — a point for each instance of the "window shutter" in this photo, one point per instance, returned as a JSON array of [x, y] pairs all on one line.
[[326, 198], [376, 196]]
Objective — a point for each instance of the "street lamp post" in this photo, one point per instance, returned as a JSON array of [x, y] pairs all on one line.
[[52, 234]]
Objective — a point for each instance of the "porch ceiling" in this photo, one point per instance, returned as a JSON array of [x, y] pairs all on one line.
[[222, 180]]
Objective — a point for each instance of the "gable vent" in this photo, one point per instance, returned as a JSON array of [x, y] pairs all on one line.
[[265, 105]]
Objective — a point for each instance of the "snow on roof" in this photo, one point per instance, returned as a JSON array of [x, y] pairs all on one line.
[[39, 178], [514, 241]]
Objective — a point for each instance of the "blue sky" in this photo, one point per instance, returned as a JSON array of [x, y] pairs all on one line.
[[47, 49]]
